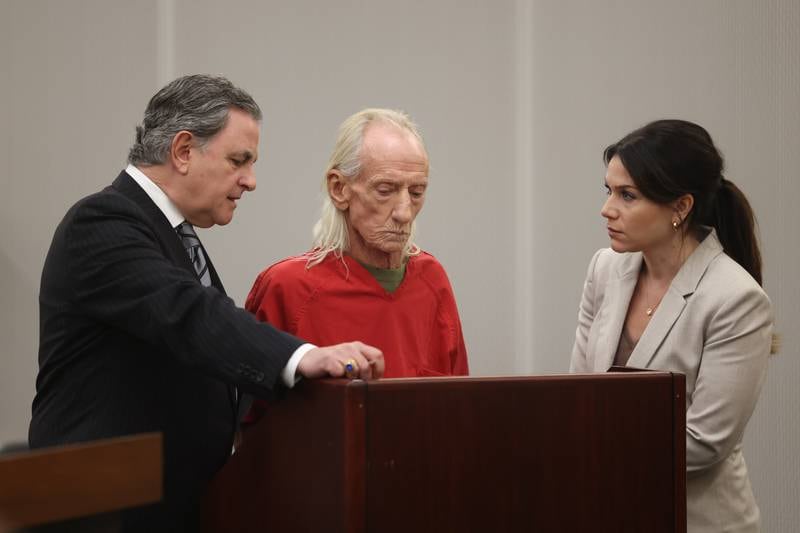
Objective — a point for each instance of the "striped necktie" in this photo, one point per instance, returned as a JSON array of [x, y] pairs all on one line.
[[195, 251]]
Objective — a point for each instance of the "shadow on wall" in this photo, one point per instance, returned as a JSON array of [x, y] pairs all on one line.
[[19, 325], [14, 447]]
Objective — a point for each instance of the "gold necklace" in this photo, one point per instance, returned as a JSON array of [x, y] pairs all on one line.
[[683, 255], [650, 309]]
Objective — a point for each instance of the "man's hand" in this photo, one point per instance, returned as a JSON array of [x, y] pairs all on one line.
[[367, 361]]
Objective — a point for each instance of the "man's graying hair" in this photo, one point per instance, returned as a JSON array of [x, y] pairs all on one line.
[[198, 104]]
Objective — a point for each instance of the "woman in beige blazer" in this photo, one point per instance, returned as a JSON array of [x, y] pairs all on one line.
[[680, 290]]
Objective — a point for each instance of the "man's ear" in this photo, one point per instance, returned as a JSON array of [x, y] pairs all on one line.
[[180, 151], [339, 190], [683, 206]]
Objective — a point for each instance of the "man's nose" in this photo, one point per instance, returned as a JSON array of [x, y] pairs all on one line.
[[403, 213], [248, 180]]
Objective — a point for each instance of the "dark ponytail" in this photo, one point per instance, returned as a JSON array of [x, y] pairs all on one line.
[[733, 218], [670, 158]]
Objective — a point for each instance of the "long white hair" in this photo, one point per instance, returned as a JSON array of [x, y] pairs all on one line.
[[330, 231]]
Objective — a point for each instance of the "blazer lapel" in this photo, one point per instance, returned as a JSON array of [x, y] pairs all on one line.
[[171, 244], [215, 281], [682, 287], [166, 234], [616, 300], [666, 314]]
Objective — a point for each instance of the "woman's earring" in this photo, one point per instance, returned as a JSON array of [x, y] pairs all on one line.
[[675, 225]]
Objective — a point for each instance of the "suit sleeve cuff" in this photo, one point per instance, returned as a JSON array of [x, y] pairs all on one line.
[[289, 373]]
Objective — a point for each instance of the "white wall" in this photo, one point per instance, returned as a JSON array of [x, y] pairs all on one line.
[[516, 101]]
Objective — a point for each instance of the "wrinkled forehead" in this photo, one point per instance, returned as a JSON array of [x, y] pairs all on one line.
[[387, 142]]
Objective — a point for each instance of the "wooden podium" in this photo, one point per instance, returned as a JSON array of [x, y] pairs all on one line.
[[561, 453], [54, 485]]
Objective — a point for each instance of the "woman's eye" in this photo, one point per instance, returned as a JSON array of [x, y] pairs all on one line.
[[627, 196], [607, 190]]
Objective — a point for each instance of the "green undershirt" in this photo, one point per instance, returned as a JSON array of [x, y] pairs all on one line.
[[388, 278]]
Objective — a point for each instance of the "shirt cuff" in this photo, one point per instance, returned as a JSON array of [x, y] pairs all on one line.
[[289, 373]]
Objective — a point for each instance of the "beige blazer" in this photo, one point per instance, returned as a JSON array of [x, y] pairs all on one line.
[[714, 324]]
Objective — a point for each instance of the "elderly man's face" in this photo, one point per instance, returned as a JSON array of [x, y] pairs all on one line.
[[386, 196]]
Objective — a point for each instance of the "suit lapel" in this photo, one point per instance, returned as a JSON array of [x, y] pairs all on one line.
[[616, 300], [171, 244], [165, 233], [669, 310], [215, 281]]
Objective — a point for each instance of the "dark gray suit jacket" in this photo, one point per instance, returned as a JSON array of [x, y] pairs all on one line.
[[131, 342]]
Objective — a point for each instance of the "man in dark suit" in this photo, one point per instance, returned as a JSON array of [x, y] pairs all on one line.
[[136, 332]]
